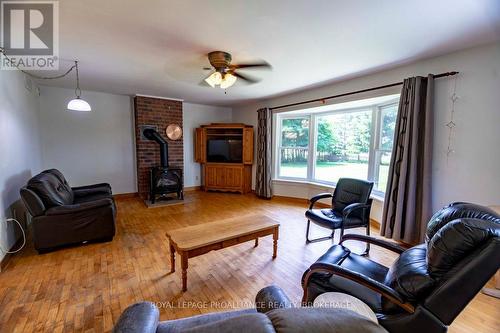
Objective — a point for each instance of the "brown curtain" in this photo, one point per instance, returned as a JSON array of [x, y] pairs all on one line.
[[264, 154], [407, 205]]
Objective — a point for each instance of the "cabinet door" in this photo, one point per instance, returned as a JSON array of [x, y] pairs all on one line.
[[210, 176], [234, 177], [248, 145], [200, 154], [220, 173]]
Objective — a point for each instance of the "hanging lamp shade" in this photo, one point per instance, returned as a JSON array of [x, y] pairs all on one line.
[[78, 104]]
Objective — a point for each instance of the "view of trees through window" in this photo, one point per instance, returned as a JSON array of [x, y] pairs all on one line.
[[345, 144]]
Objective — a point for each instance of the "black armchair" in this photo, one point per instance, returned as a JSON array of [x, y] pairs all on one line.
[[351, 205], [429, 284], [64, 215]]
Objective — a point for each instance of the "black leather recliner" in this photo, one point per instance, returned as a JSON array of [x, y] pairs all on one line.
[[351, 205], [65, 215], [428, 286]]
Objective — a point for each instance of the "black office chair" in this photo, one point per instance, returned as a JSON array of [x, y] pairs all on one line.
[[351, 205], [428, 286]]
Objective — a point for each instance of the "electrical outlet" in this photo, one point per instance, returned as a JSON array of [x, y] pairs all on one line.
[[197, 178]]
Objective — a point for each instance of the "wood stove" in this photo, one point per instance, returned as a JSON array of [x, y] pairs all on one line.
[[163, 179]]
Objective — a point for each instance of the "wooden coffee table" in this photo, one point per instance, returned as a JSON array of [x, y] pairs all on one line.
[[199, 239]]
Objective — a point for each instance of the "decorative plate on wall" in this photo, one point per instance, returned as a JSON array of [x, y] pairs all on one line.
[[174, 132]]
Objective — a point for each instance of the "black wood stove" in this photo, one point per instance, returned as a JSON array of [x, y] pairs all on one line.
[[163, 179]]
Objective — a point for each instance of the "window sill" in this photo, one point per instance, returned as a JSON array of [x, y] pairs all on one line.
[[373, 196]]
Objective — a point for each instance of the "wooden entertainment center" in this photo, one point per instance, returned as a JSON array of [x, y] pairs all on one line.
[[225, 152]]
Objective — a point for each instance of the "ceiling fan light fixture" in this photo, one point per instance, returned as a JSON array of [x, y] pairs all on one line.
[[214, 79], [228, 81]]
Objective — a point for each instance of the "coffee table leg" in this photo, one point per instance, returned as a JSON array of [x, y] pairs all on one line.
[[256, 242], [275, 243], [172, 258], [184, 267]]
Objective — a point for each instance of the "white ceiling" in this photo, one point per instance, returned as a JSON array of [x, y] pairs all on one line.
[[158, 47]]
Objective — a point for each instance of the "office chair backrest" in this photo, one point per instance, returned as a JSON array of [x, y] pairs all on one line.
[[349, 191]]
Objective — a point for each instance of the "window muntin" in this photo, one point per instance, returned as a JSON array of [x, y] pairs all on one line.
[[325, 146]]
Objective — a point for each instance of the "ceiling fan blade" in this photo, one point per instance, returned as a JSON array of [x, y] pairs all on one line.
[[245, 78], [262, 64]]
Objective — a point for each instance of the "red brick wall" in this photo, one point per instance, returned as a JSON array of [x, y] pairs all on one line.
[[161, 113]]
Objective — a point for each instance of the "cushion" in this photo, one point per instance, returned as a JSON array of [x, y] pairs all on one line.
[[51, 190], [329, 218], [93, 197], [458, 210], [232, 321], [340, 255], [320, 320], [456, 240], [408, 275]]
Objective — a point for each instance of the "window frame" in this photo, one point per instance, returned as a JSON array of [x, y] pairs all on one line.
[[375, 142]]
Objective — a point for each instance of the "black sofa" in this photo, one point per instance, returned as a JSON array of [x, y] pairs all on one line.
[[274, 312], [64, 215], [428, 286]]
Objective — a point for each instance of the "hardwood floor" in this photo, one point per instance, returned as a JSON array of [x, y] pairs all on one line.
[[84, 289]]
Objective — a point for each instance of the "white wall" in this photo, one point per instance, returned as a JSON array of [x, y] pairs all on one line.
[[20, 156], [471, 173], [195, 115], [98, 146], [89, 147]]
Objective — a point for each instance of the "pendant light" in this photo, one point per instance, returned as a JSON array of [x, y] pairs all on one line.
[[78, 104]]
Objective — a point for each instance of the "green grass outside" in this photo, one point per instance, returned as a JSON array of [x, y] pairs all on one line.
[[332, 171]]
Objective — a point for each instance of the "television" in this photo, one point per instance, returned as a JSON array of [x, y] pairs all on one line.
[[224, 150]]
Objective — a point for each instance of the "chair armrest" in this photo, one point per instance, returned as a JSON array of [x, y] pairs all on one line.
[[81, 191], [353, 207], [270, 298], [71, 209], [138, 318], [380, 288], [375, 241], [319, 197]]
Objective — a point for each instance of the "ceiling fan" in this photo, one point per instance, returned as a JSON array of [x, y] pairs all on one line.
[[225, 74]]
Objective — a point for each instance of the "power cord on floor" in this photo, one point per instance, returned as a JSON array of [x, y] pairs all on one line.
[[24, 237]]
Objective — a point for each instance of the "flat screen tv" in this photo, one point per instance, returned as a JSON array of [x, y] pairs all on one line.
[[224, 150]]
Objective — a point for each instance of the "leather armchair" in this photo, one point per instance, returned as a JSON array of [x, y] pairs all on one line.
[[351, 205], [274, 313], [429, 284], [65, 215]]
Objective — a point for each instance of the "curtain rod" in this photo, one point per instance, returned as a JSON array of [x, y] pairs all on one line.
[[437, 76]]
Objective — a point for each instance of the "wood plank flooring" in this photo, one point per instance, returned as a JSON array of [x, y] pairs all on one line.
[[85, 288]]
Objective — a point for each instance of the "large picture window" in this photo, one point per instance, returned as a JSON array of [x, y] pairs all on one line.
[[294, 147], [325, 145]]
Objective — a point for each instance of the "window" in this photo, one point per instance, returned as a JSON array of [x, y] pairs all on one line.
[[331, 142], [343, 145], [294, 147]]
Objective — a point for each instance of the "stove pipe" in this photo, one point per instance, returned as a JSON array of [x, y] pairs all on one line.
[[153, 135]]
